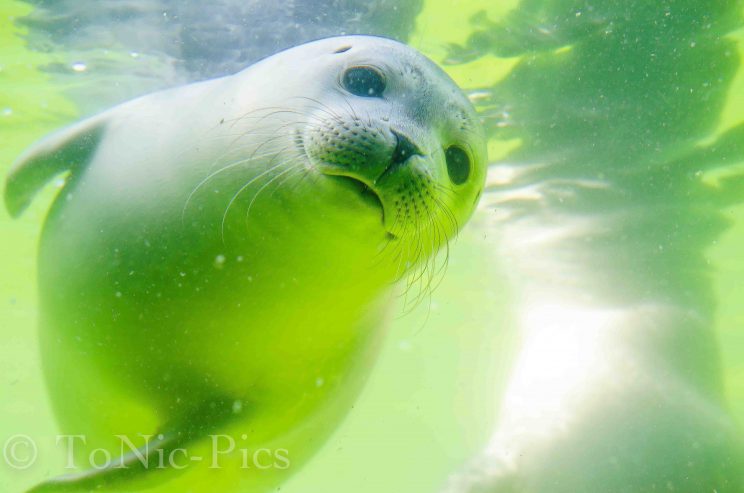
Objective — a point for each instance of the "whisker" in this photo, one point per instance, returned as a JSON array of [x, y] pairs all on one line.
[[240, 190], [255, 196], [215, 173], [321, 107], [297, 170], [272, 137], [351, 108]]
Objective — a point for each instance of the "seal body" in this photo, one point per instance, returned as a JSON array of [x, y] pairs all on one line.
[[219, 258]]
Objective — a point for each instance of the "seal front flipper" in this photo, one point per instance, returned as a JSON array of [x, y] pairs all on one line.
[[158, 457], [66, 150]]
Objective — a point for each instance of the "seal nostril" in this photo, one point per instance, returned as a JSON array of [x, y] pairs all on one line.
[[404, 149]]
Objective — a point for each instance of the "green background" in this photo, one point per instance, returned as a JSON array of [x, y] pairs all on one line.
[[431, 397]]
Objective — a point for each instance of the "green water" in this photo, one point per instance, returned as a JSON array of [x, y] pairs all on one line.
[[624, 93]]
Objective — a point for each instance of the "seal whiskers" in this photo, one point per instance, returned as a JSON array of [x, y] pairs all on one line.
[[248, 184]]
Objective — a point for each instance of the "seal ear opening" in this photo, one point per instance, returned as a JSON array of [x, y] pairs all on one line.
[[65, 150]]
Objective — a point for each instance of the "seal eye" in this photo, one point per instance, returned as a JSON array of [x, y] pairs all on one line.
[[366, 82], [458, 164]]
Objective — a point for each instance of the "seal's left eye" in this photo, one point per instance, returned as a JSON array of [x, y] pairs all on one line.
[[458, 164], [367, 82]]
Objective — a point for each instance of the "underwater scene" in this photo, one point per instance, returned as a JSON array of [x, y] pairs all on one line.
[[424, 246]]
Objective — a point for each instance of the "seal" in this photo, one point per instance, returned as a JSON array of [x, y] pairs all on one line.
[[219, 259]]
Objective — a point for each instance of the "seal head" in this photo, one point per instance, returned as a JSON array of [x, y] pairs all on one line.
[[397, 125]]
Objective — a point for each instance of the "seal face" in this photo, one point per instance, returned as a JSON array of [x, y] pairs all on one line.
[[221, 248], [397, 125]]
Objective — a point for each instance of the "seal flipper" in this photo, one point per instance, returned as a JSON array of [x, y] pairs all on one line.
[[154, 457], [65, 150]]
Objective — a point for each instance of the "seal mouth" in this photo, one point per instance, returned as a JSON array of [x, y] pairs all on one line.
[[368, 195], [365, 192]]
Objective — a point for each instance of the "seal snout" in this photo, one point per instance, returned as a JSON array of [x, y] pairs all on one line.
[[404, 149], [375, 158]]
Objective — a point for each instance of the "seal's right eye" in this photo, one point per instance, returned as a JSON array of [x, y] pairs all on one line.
[[458, 164], [367, 82]]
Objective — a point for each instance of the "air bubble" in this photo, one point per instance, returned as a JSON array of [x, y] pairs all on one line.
[[237, 407]]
